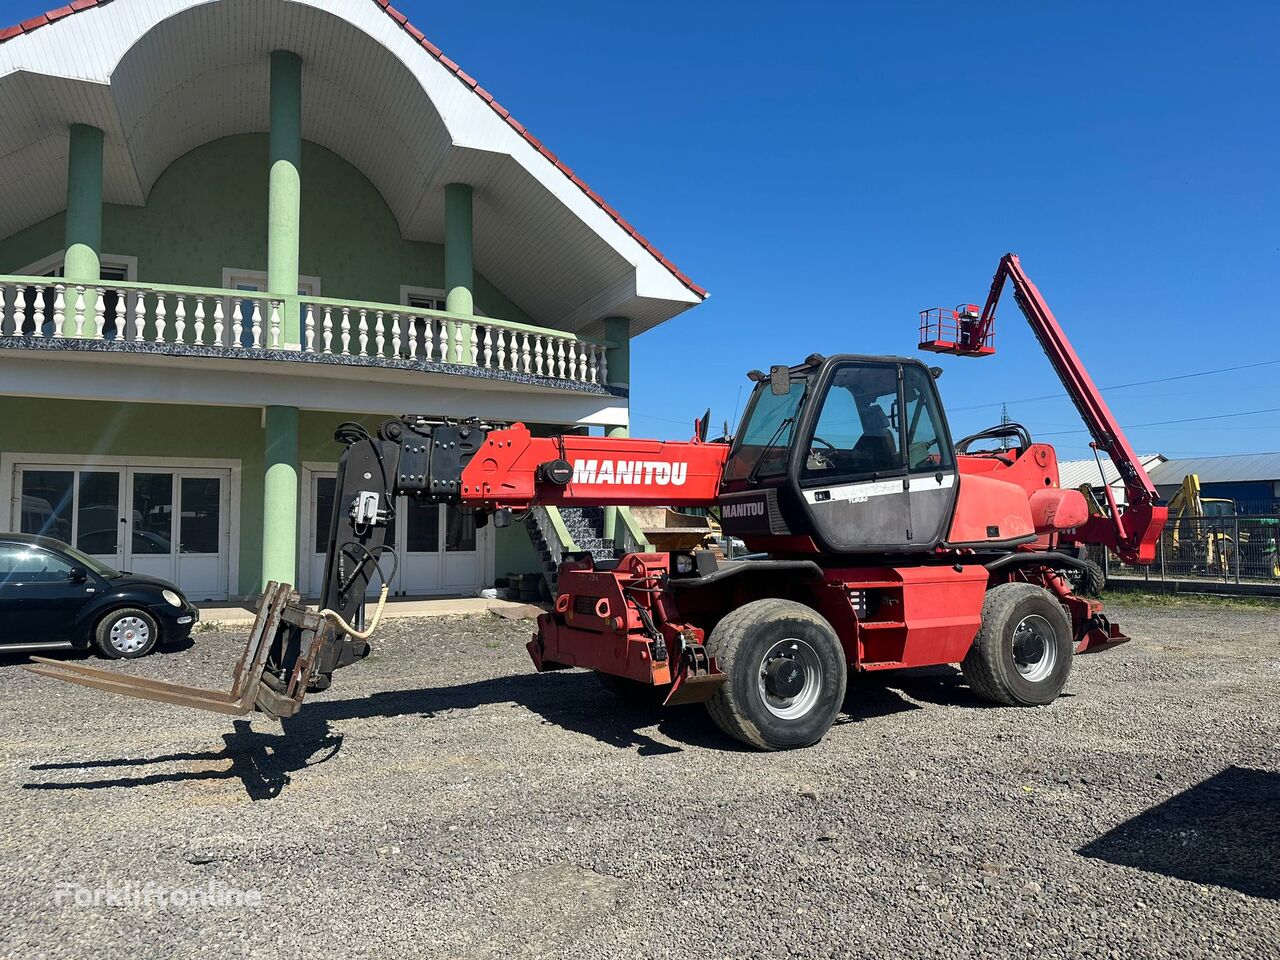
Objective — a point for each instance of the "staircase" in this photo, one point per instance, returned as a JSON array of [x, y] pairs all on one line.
[[557, 531]]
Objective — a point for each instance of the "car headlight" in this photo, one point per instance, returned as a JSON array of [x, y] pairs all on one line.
[[171, 598]]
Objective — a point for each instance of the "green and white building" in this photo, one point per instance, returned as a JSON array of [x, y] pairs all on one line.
[[226, 226]]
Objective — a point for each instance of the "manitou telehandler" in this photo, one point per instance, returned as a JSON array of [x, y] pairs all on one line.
[[879, 544]]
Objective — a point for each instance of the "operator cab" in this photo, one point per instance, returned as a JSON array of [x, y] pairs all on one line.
[[841, 455]]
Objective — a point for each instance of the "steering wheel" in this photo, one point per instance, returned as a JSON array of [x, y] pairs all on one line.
[[826, 443]]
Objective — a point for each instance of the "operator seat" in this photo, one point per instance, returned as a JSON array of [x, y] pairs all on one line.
[[877, 448]]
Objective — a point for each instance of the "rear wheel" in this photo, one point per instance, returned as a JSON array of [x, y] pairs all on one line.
[[127, 633], [1022, 654], [786, 675]]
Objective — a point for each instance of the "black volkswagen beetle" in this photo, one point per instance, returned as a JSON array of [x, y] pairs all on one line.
[[52, 595]]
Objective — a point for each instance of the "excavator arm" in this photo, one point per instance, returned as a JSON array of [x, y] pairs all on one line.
[[1131, 533]]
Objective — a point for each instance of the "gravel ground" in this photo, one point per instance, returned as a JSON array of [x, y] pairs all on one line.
[[442, 800]]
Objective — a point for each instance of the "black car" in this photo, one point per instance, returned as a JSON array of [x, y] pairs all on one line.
[[52, 595]]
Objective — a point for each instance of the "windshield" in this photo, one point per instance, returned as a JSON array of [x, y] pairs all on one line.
[[89, 563], [760, 448]]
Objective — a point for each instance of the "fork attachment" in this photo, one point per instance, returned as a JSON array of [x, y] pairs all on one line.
[[284, 632]]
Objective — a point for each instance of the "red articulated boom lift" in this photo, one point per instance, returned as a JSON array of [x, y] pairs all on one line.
[[878, 544]]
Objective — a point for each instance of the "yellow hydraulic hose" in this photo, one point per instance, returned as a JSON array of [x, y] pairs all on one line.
[[367, 632]]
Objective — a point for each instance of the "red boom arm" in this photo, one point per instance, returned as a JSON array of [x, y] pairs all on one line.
[[1132, 533]]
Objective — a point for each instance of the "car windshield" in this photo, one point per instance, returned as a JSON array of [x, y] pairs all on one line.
[[760, 448], [89, 563]]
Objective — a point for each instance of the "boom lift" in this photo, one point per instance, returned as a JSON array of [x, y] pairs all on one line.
[[887, 545]]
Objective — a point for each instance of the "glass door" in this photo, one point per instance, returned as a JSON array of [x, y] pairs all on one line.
[[77, 506], [151, 501], [202, 530]]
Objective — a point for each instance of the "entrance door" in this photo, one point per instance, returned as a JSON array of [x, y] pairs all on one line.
[[171, 523], [438, 549]]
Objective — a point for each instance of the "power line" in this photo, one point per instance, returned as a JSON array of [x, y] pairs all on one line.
[[1135, 383], [1165, 423]]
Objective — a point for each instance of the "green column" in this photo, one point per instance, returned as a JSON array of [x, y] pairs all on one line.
[[617, 330], [84, 215], [284, 201], [280, 496], [459, 270]]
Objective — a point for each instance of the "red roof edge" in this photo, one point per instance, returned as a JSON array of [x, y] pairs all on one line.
[[76, 6]]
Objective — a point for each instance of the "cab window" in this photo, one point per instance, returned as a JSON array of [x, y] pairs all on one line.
[[928, 448], [760, 448], [857, 430]]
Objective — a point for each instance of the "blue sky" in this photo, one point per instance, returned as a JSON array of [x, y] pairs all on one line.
[[829, 169]]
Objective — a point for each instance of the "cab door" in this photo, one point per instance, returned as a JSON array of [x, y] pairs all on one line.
[[931, 462], [852, 472]]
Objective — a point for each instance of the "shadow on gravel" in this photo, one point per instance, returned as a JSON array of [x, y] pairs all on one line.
[[16, 658], [1224, 831]]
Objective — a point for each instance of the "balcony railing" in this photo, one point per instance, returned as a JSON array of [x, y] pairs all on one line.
[[243, 323]]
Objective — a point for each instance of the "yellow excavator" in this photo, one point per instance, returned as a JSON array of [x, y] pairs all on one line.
[[1198, 530]]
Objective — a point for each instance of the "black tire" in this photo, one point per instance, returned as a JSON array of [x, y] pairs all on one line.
[[633, 692], [126, 633], [749, 639], [1088, 580], [1044, 646]]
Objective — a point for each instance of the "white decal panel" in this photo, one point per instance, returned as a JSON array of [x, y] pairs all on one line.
[[864, 490]]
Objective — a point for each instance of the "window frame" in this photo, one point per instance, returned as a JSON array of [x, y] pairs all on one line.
[[828, 384]]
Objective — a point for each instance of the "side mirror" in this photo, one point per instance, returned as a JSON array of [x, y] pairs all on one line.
[[79, 574], [780, 379]]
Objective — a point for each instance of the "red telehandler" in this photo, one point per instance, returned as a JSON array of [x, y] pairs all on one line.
[[878, 544]]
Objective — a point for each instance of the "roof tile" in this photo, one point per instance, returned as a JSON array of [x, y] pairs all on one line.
[[35, 23]]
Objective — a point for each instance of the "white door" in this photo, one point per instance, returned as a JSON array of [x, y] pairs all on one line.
[[202, 510], [438, 550]]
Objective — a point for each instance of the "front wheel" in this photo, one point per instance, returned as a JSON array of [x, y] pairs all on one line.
[[786, 675], [1022, 654], [128, 633]]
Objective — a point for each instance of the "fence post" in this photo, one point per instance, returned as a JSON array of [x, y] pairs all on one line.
[[1162, 558], [1237, 548]]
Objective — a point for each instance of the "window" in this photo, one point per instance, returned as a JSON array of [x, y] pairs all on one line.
[[201, 515], [98, 512], [152, 514], [255, 281], [856, 434], [418, 328], [47, 497], [22, 563], [928, 448], [460, 530], [760, 449]]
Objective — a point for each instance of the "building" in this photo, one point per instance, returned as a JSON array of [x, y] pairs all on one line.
[[1073, 474], [227, 226], [1251, 480]]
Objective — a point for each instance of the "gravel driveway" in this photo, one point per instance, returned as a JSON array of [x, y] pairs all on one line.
[[442, 800]]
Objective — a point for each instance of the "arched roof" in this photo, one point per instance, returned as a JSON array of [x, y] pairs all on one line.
[[163, 76]]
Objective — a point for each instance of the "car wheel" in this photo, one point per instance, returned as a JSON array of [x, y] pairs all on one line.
[[127, 633]]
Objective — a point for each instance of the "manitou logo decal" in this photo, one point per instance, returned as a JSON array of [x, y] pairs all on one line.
[[751, 508], [630, 472]]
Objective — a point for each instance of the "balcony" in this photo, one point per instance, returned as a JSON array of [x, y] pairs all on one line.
[[48, 314]]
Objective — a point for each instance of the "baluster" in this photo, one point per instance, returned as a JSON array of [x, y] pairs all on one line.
[[395, 335], [538, 355], [346, 331], [379, 338], [428, 340], [604, 366], [502, 349], [311, 328], [78, 311], [582, 364], [7, 311], [59, 308], [139, 315], [364, 332], [473, 354], [560, 358], [524, 353], [237, 324], [180, 320], [457, 355], [199, 340], [591, 356], [38, 305], [328, 330], [274, 321], [412, 328], [160, 311], [99, 314], [488, 348], [571, 366], [217, 322], [256, 324]]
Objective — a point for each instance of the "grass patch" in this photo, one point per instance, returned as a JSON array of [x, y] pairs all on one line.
[[1147, 598]]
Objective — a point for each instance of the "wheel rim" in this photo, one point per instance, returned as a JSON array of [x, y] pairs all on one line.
[[777, 672], [1035, 648], [130, 634]]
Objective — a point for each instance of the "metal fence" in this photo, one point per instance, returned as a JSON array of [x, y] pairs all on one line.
[[1227, 550]]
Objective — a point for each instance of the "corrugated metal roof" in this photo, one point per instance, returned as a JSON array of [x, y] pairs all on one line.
[[1235, 468], [1072, 473]]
